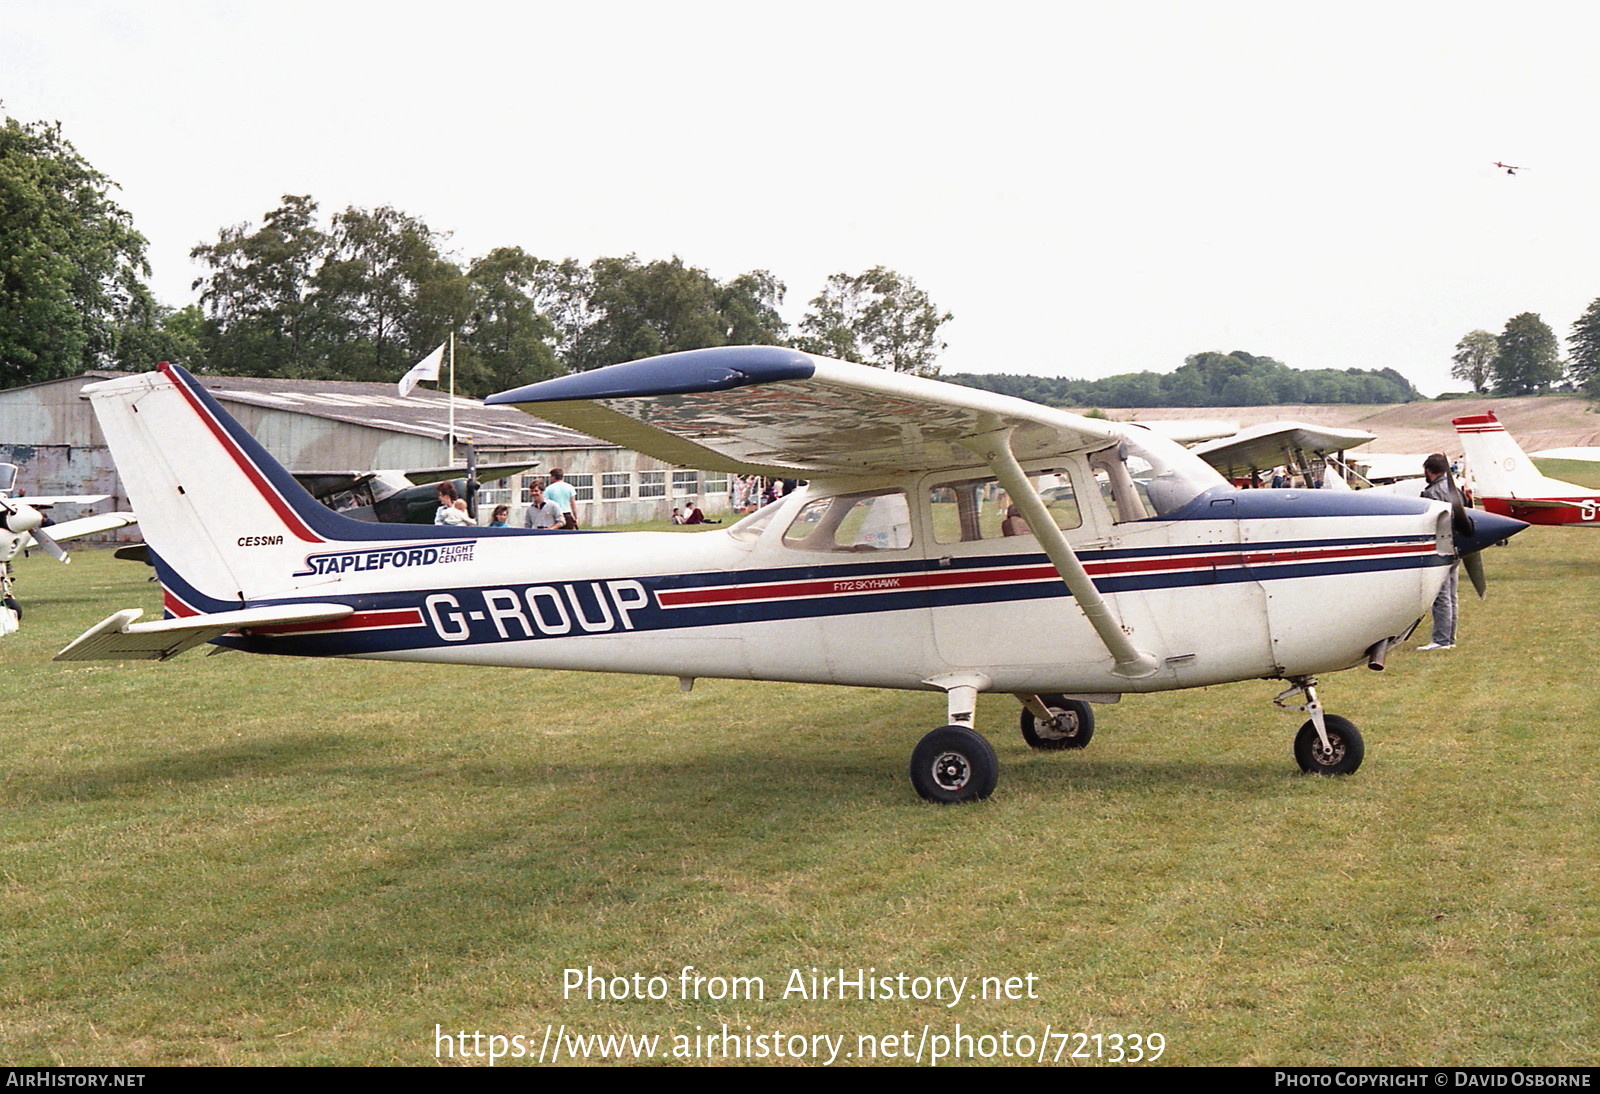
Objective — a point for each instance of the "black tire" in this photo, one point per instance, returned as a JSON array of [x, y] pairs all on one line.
[[1347, 751], [954, 764], [11, 602], [1075, 730]]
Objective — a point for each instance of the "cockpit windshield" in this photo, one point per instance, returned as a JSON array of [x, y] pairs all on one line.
[[1147, 476], [8, 477]]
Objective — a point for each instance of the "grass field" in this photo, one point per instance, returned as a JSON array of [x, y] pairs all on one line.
[[246, 860]]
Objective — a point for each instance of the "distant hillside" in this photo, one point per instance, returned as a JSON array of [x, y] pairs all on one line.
[[1206, 379]]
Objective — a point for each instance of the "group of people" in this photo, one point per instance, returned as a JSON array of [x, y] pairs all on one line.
[[551, 506], [751, 492]]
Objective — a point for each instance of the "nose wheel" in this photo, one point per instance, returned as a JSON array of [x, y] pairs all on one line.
[[1327, 744]]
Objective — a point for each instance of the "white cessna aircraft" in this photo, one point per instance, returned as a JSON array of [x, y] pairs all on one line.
[[949, 540]]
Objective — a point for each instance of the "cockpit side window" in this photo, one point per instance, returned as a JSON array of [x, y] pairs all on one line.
[[878, 521], [971, 509], [1146, 476]]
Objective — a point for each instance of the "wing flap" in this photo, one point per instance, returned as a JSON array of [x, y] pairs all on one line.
[[119, 638]]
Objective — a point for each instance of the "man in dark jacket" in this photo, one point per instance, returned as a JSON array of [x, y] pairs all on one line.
[[1441, 487]]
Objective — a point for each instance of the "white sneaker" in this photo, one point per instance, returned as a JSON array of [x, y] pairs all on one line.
[[1437, 646]]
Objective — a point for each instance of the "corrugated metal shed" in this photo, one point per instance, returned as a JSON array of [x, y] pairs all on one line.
[[334, 426]]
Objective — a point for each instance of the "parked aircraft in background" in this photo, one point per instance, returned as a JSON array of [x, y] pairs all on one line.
[[1507, 483], [949, 540], [22, 525], [399, 497], [1293, 445]]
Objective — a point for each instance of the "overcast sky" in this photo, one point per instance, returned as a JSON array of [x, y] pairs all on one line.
[[1090, 188]]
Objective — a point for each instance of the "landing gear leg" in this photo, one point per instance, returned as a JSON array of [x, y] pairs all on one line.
[[1327, 744], [955, 763]]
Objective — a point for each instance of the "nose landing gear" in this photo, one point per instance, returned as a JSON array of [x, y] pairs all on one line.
[[1327, 744]]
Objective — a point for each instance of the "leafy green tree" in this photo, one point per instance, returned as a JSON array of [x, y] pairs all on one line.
[[385, 296], [159, 333], [72, 267], [260, 295], [1526, 359], [1584, 366], [749, 308], [877, 318], [1474, 359], [508, 341], [639, 309]]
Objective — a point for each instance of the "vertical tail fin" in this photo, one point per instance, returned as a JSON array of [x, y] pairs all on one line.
[[1499, 467], [228, 523]]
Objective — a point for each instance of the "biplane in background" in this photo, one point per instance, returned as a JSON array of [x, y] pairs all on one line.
[[949, 540]]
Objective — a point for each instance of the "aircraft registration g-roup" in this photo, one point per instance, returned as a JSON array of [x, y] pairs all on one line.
[[1506, 481], [948, 540]]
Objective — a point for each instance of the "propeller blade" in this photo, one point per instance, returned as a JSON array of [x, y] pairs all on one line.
[[1473, 564], [51, 547]]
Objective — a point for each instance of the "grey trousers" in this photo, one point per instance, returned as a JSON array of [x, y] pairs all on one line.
[[1444, 610]]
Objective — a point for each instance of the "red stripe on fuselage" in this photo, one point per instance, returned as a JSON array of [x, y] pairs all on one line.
[[887, 583], [360, 621]]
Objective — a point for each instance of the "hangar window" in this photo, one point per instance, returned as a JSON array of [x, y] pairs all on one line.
[[652, 484], [967, 510], [879, 521]]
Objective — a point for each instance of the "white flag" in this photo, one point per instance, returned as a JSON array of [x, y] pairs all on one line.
[[425, 369]]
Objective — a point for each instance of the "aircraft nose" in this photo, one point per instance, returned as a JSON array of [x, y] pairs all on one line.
[[1487, 529], [20, 518]]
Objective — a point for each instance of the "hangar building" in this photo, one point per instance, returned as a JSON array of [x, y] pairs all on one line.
[[49, 431]]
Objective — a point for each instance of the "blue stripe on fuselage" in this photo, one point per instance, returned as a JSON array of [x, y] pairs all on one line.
[[557, 609]]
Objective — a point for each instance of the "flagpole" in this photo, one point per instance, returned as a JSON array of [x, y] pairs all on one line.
[[452, 462]]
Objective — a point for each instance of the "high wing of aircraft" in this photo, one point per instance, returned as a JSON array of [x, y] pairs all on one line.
[[1292, 444], [22, 525], [1507, 483], [949, 540]]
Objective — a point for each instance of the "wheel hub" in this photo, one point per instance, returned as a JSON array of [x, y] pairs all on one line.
[[1062, 725], [951, 770], [1330, 755]]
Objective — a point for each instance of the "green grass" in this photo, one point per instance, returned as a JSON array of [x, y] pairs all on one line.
[[250, 860]]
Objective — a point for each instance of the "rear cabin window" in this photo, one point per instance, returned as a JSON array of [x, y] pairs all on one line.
[[852, 522], [968, 510]]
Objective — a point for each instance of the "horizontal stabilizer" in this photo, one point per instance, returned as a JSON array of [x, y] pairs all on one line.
[[119, 638]]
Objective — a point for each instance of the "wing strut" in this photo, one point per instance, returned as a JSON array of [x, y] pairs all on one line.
[[995, 450]]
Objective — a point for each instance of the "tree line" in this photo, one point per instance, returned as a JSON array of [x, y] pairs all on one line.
[[365, 293], [1525, 357], [1207, 379]]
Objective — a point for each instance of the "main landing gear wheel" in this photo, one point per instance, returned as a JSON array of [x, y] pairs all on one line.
[[1343, 755], [954, 764], [11, 602], [1071, 724]]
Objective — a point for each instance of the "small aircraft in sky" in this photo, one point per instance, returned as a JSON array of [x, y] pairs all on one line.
[[1508, 168], [1506, 481], [948, 540], [22, 525]]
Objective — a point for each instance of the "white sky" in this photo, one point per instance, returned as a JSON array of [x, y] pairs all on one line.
[[1091, 188]]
